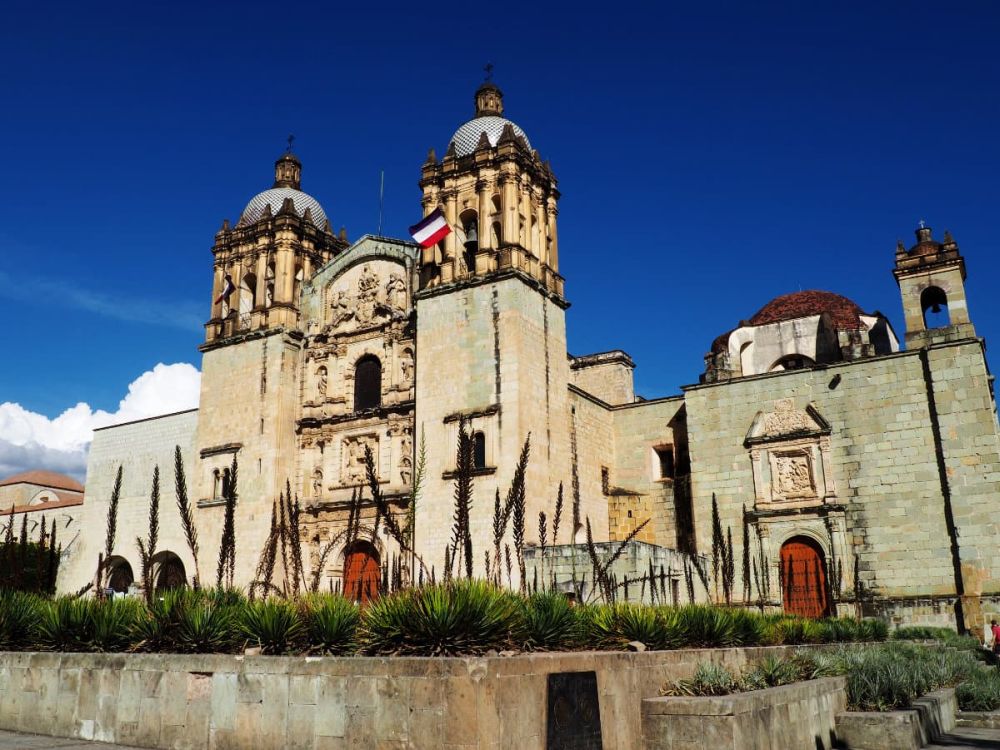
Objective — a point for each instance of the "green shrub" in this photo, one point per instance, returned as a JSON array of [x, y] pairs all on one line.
[[705, 626], [204, 627], [112, 623], [330, 623], [872, 630], [708, 679], [549, 622], [460, 617], [272, 624], [980, 691], [18, 615], [64, 624], [772, 671]]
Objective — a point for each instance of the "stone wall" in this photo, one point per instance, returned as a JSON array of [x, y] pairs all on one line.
[[137, 447], [274, 703], [883, 467], [802, 715]]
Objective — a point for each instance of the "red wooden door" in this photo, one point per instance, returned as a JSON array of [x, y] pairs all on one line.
[[803, 578], [361, 573]]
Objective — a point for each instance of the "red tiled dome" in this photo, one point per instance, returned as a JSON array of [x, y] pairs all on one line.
[[844, 314], [45, 479]]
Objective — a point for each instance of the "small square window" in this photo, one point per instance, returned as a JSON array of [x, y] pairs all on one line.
[[665, 461]]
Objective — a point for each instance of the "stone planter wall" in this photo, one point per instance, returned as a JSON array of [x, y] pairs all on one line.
[[795, 716], [911, 729], [273, 703]]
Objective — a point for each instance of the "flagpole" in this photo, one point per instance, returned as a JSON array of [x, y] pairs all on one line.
[[381, 196]]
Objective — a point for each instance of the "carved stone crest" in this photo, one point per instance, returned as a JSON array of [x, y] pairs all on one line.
[[353, 458], [791, 475]]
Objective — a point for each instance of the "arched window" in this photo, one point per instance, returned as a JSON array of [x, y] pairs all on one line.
[[321, 383], [225, 483], [479, 450], [367, 383], [168, 571], [934, 303], [497, 234], [269, 285], [297, 284], [120, 575], [361, 572], [216, 483], [792, 362]]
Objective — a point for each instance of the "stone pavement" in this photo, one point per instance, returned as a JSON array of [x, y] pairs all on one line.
[[18, 741], [969, 738]]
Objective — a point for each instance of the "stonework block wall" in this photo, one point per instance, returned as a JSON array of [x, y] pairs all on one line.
[[882, 455], [138, 447], [496, 351]]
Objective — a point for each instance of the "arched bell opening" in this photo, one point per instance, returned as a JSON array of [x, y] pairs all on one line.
[[934, 304], [469, 220]]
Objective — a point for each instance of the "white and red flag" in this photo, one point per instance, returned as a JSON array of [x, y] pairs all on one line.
[[431, 230], [227, 290]]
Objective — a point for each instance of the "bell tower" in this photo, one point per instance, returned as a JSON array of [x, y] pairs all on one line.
[[281, 238], [931, 279], [491, 338], [499, 198]]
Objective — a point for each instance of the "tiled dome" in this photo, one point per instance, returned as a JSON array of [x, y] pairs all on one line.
[[466, 138], [276, 198]]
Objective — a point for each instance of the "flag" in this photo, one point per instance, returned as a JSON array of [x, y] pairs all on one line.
[[431, 230], [228, 289]]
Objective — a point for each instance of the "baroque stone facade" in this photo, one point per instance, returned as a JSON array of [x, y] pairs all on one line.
[[860, 472]]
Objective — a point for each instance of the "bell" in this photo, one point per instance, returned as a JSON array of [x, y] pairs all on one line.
[[471, 234]]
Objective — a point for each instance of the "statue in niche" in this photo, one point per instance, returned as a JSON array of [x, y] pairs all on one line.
[[395, 292], [321, 384], [406, 366], [317, 482], [406, 446], [405, 470]]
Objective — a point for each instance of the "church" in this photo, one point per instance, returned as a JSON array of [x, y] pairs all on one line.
[[832, 451]]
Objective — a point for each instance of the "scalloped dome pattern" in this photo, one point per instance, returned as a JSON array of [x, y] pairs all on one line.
[[276, 198], [466, 138]]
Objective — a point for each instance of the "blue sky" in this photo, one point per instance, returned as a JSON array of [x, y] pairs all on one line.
[[711, 156]]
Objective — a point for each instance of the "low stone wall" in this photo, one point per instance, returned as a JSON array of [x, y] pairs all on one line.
[[271, 703], [911, 729], [978, 719], [790, 717]]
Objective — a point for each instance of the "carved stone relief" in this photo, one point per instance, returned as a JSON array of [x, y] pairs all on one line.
[[792, 475], [369, 301], [785, 418], [353, 458]]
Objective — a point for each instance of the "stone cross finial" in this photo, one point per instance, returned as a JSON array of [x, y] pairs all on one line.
[[922, 224], [290, 139], [489, 71]]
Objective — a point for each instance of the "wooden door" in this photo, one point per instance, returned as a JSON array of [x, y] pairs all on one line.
[[803, 578], [361, 573]]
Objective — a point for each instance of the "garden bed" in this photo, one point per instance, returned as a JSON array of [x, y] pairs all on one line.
[[926, 720], [801, 715]]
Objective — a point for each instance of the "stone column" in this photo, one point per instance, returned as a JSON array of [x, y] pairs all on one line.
[[261, 280], [483, 188], [553, 211], [217, 283], [540, 250], [508, 181], [451, 215], [284, 271], [525, 211]]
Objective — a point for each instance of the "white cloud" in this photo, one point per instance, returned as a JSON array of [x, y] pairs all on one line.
[[29, 440]]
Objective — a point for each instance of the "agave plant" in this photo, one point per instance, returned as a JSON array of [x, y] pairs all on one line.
[[272, 624], [459, 617], [64, 624], [204, 627], [18, 613], [112, 623], [549, 622], [706, 626], [708, 679], [980, 692], [330, 623]]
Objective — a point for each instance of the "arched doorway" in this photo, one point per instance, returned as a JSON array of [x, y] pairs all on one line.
[[361, 572], [803, 578], [168, 572], [120, 575]]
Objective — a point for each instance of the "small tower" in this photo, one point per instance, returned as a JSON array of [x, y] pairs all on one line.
[[498, 196], [280, 240], [931, 278]]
